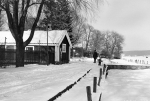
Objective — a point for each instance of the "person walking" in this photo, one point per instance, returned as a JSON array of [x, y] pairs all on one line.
[[95, 55]]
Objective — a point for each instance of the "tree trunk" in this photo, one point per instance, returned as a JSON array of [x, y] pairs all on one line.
[[20, 54]]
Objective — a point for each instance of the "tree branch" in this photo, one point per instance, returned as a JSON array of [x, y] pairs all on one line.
[[23, 17], [2, 7], [15, 15], [35, 3], [23, 2], [10, 19], [34, 24]]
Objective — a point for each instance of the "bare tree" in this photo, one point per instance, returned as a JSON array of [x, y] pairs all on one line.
[[78, 30], [88, 35], [118, 45], [97, 40], [113, 43], [1, 17], [77, 7], [87, 30], [16, 11]]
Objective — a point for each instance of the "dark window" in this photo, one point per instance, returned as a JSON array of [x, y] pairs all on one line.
[[29, 48]]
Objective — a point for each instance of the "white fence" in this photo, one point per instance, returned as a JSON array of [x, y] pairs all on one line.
[[138, 60]]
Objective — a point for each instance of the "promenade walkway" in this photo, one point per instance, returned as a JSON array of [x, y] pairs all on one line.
[[40, 83]]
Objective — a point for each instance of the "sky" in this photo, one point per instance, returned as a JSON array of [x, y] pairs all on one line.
[[130, 18]]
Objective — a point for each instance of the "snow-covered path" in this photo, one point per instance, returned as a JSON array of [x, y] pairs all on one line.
[[78, 92], [40, 83]]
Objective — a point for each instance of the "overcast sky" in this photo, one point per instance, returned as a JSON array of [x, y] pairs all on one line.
[[131, 18]]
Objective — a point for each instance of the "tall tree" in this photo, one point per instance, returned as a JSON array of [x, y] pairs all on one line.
[[78, 31], [97, 40], [61, 16], [57, 14], [16, 11], [108, 43], [65, 15], [113, 43], [1, 17], [118, 48], [88, 30]]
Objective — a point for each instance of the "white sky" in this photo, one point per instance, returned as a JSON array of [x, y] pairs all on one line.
[[131, 18]]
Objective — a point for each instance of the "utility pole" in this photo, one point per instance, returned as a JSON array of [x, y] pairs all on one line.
[[47, 47], [48, 26], [39, 52], [5, 41]]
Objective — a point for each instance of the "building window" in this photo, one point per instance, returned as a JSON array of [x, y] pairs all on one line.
[[29, 48], [64, 48]]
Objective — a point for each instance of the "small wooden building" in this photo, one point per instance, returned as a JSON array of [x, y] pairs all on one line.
[[59, 44]]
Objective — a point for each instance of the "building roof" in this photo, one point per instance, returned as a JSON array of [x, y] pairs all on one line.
[[54, 37]]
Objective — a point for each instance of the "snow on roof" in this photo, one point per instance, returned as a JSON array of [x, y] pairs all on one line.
[[54, 36]]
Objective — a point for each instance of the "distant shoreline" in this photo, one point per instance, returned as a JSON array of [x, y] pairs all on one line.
[[137, 53]]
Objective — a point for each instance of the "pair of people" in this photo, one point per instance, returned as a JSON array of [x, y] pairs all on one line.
[[95, 55]]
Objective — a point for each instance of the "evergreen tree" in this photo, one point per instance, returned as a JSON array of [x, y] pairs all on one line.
[[57, 14]]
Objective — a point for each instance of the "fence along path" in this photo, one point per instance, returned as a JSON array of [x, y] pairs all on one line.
[[8, 57], [144, 60], [80, 91]]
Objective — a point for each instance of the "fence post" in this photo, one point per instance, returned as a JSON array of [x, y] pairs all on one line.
[[100, 97], [100, 76], [89, 95], [101, 72], [99, 81], [104, 69], [94, 84]]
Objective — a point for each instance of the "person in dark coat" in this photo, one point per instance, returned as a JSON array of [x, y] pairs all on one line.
[[95, 55]]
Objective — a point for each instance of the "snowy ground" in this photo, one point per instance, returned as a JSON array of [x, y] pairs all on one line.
[[40, 83], [127, 85]]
